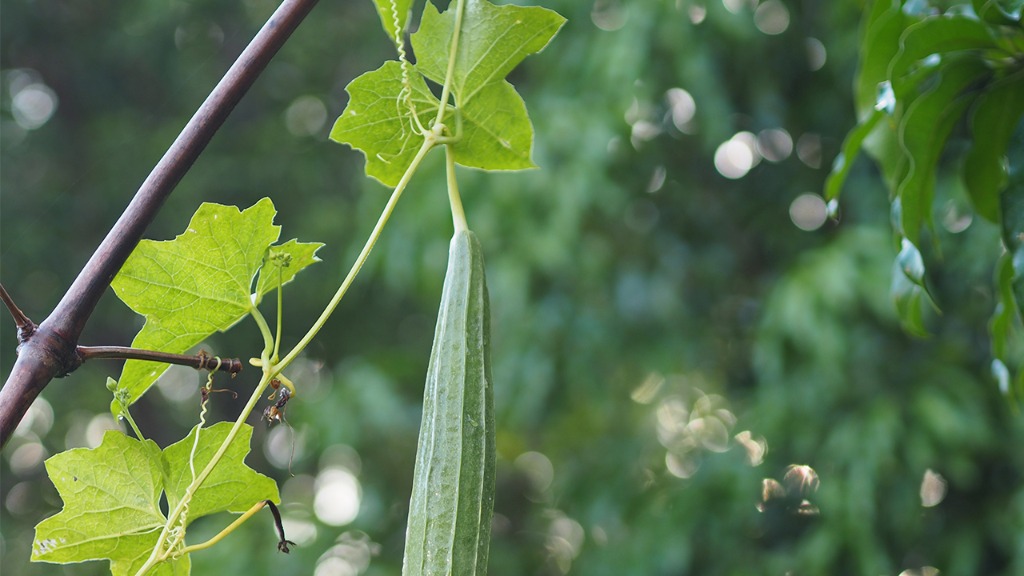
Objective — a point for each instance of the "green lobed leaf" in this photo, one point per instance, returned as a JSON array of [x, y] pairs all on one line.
[[112, 496], [496, 130], [196, 284], [282, 262], [391, 10], [111, 508], [231, 486], [493, 41], [923, 130], [996, 113], [377, 123]]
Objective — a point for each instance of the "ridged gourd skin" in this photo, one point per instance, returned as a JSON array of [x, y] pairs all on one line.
[[452, 501]]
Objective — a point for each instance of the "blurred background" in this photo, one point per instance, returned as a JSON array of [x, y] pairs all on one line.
[[696, 372]]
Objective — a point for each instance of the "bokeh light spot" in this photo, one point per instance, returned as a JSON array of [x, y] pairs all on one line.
[[350, 555], [808, 212], [771, 17], [338, 495], [682, 465], [733, 6], [816, 54], [33, 105], [955, 220], [808, 150], [697, 13], [27, 457], [97, 427], [608, 15], [756, 447], [774, 144], [682, 108], [538, 469], [37, 420], [305, 116], [933, 488], [734, 158]]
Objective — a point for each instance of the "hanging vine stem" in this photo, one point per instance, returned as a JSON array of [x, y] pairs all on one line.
[[268, 360], [458, 213], [403, 59], [430, 140], [160, 552], [460, 9], [272, 369]]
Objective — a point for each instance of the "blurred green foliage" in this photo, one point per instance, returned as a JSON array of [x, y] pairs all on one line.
[[667, 342]]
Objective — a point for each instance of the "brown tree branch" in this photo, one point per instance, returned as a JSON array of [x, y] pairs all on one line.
[[26, 327], [200, 361], [51, 351]]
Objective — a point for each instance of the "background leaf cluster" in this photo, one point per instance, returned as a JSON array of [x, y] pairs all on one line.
[[647, 312]]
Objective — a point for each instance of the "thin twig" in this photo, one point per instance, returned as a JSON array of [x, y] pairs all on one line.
[[200, 361], [26, 327]]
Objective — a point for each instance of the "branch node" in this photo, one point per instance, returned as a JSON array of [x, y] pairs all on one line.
[[26, 327]]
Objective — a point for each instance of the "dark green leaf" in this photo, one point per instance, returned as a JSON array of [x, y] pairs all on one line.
[[999, 11], [882, 30], [1013, 233], [911, 263], [935, 38], [851, 149], [996, 113], [923, 130], [1006, 310], [909, 299]]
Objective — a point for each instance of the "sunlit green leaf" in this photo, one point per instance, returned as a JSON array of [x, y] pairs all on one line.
[[111, 508], [231, 486], [493, 41], [112, 496], [283, 262], [197, 284], [391, 11], [923, 130], [496, 130], [378, 120]]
